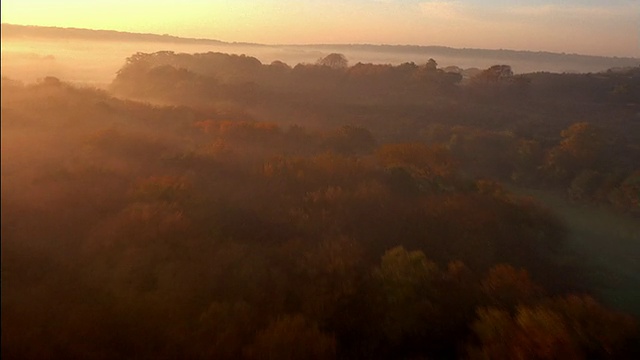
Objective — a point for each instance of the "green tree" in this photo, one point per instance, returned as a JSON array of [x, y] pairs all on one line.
[[405, 278]]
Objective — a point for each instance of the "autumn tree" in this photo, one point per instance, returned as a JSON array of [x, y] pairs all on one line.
[[350, 140], [292, 337], [333, 269], [421, 160], [223, 329], [506, 286], [582, 147], [532, 333], [572, 327]]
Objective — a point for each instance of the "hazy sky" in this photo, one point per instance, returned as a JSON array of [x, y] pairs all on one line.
[[604, 27]]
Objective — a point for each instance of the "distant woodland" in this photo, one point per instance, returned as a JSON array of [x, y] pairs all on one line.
[[102, 44], [210, 206]]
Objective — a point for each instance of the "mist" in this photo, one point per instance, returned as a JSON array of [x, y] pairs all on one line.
[[83, 57], [184, 198]]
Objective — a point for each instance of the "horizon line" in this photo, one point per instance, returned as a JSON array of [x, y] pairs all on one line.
[[198, 39]]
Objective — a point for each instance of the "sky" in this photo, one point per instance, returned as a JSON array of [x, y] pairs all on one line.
[[597, 27]]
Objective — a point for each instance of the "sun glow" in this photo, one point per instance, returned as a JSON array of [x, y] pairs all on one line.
[[603, 29]]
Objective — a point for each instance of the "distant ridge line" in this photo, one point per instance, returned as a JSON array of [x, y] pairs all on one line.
[[12, 31]]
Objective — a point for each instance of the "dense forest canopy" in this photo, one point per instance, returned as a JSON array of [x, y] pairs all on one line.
[[211, 206]]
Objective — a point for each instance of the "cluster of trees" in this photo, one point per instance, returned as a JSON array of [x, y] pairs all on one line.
[[138, 231], [572, 132], [214, 77], [588, 162]]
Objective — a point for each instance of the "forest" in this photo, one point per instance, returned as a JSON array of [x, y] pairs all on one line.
[[211, 206]]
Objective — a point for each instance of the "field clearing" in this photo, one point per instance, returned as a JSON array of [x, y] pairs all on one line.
[[608, 241]]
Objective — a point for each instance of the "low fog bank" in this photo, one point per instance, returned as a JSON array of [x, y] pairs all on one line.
[[95, 62]]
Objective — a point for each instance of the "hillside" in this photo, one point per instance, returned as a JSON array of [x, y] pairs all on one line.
[[12, 32]]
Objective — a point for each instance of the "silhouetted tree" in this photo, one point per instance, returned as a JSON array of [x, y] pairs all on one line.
[[334, 61], [431, 65]]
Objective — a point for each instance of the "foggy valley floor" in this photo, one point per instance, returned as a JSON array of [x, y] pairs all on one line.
[[210, 205]]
